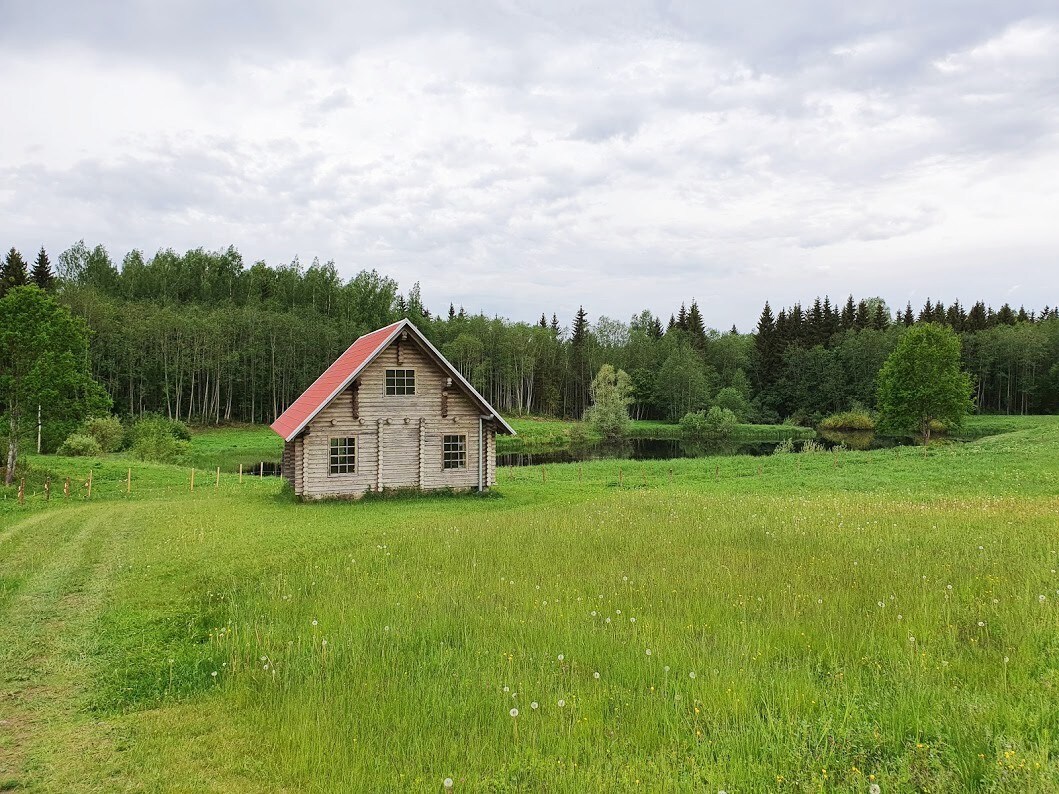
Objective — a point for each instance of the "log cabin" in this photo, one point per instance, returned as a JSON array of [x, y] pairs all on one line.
[[391, 412]]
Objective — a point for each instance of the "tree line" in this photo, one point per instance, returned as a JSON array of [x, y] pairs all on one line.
[[203, 337]]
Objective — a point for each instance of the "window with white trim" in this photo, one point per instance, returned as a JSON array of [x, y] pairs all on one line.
[[454, 452], [343, 458], [400, 382]]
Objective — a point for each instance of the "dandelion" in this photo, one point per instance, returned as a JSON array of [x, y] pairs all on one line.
[[691, 674], [264, 658], [593, 613], [900, 617], [882, 604], [214, 674], [648, 651], [315, 622], [561, 702], [632, 620], [617, 611], [874, 787], [666, 668], [595, 675], [324, 642], [534, 705], [948, 587], [1042, 598], [447, 782], [513, 712], [981, 623], [608, 619], [561, 657], [507, 689]]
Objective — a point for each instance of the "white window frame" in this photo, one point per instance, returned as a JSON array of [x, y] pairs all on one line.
[[400, 382], [343, 458], [459, 451]]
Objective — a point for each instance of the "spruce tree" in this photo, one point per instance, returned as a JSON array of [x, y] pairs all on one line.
[[863, 318], [682, 318], [926, 314], [13, 272], [556, 330], [977, 320], [849, 314], [452, 312], [42, 274], [543, 321], [695, 326], [909, 316], [880, 320], [1006, 316], [767, 356], [1022, 317], [580, 329]]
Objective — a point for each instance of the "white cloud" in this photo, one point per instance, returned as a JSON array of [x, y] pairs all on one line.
[[524, 160]]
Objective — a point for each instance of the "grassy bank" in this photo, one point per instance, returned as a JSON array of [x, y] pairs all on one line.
[[815, 623]]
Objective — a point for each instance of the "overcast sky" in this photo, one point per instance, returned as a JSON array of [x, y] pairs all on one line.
[[518, 157]]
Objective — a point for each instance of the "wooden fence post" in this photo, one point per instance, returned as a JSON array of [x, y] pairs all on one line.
[[66, 487], [240, 473], [671, 476], [192, 480], [47, 490], [128, 482], [620, 478], [579, 472], [261, 471], [22, 491], [89, 484], [716, 472], [217, 484]]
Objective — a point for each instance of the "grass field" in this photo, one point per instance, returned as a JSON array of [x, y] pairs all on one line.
[[806, 622]]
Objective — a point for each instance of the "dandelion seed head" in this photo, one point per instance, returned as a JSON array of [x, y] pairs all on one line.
[[560, 657], [691, 674], [561, 702], [596, 675], [447, 782], [534, 705], [513, 712], [648, 651]]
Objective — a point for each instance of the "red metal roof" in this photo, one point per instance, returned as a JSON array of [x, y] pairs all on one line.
[[323, 389]]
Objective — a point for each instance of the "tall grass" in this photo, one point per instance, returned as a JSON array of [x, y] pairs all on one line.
[[814, 624]]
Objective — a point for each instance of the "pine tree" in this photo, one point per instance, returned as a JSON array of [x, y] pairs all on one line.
[[926, 314], [1006, 316], [796, 326], [940, 316], [783, 331], [656, 328], [580, 330], [830, 321], [955, 316], [1022, 317], [556, 330], [452, 312], [461, 314], [672, 323], [543, 321], [42, 274], [13, 272]]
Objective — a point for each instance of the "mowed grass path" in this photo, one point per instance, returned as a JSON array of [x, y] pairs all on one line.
[[802, 623]]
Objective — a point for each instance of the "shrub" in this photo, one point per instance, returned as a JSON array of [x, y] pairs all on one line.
[[107, 430], [714, 423], [855, 420], [732, 399], [80, 445], [611, 393], [160, 439], [151, 424]]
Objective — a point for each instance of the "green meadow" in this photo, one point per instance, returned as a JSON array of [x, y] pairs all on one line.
[[798, 622]]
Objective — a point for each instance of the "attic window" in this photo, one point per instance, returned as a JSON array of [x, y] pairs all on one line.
[[400, 382]]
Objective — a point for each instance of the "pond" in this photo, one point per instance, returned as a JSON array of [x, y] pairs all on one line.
[[670, 448]]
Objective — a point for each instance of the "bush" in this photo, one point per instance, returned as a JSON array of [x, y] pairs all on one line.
[[151, 424], [160, 439], [80, 445], [855, 421], [732, 399], [714, 423], [107, 430]]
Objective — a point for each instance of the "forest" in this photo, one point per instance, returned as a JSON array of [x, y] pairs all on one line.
[[203, 337]]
